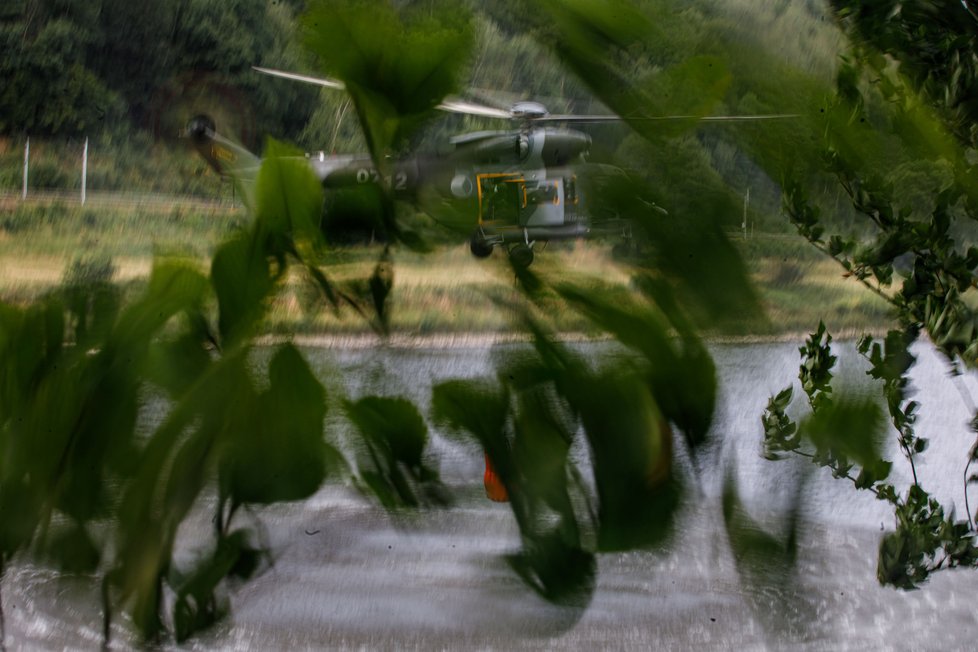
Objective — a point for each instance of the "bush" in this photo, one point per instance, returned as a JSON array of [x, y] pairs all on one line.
[[88, 270]]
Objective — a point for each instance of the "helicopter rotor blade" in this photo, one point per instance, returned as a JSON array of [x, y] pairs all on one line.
[[570, 117], [450, 104], [318, 81], [458, 105], [726, 118]]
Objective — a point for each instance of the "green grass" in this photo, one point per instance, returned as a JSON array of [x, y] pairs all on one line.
[[443, 292], [799, 286]]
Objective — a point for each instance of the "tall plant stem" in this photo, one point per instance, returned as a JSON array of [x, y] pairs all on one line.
[[3, 624], [970, 406]]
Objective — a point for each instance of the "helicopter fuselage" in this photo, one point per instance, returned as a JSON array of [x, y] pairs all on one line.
[[522, 182], [530, 152]]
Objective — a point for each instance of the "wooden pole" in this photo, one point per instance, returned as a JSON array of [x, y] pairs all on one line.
[[84, 172], [746, 202], [27, 156]]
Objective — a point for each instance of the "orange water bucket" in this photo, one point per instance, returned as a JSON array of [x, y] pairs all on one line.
[[495, 490]]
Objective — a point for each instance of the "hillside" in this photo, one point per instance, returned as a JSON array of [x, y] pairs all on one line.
[[195, 56]]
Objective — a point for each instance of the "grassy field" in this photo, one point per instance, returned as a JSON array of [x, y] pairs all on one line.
[[799, 285], [443, 292]]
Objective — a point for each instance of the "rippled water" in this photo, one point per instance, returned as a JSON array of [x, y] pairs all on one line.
[[348, 575]]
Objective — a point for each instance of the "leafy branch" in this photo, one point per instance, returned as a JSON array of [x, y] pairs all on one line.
[[914, 260], [840, 434], [925, 539]]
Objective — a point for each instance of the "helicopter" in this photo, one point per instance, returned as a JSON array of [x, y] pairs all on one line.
[[521, 182]]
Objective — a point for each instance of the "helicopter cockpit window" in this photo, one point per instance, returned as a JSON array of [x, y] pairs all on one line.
[[502, 198]]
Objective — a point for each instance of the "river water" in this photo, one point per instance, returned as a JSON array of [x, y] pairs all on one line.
[[347, 574]]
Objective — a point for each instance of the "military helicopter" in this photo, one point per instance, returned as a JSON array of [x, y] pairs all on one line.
[[523, 181]]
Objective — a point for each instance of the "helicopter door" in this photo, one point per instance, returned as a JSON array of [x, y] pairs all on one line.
[[502, 198], [544, 203], [573, 213]]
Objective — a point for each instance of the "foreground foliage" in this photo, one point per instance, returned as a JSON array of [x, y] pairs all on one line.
[[906, 93], [89, 484]]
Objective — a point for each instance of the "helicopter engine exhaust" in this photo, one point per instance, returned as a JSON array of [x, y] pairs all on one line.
[[223, 155], [201, 129]]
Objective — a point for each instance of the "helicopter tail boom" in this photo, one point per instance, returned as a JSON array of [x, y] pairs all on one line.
[[225, 156]]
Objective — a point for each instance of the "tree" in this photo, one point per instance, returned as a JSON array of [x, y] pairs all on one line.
[[73, 67], [48, 88]]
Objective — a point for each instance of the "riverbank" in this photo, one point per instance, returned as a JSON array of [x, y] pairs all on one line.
[[356, 342]]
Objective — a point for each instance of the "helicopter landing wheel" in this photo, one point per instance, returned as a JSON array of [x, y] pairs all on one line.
[[521, 255], [479, 247], [621, 250]]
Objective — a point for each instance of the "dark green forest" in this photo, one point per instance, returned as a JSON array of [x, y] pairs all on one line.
[[131, 77], [80, 68], [84, 68]]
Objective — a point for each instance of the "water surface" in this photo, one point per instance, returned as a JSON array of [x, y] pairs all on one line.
[[349, 575]]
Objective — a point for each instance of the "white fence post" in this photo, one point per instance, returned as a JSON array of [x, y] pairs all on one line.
[[27, 156], [746, 203], [84, 171]]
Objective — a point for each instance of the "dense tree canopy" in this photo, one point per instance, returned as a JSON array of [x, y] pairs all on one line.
[[73, 67]]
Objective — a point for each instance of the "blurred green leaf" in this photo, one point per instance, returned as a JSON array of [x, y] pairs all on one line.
[[242, 280], [543, 433], [381, 282], [174, 286], [392, 423], [851, 427], [175, 364], [74, 551], [279, 452], [691, 251], [92, 302], [757, 551], [631, 453], [177, 461], [370, 297], [476, 406], [680, 371], [246, 267], [289, 201], [21, 505], [197, 606], [396, 65], [766, 561], [591, 37], [605, 43], [530, 454], [533, 461], [560, 572], [396, 436], [692, 87], [479, 408]]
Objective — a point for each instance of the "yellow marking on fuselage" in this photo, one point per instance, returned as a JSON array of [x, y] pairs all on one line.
[[222, 153]]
